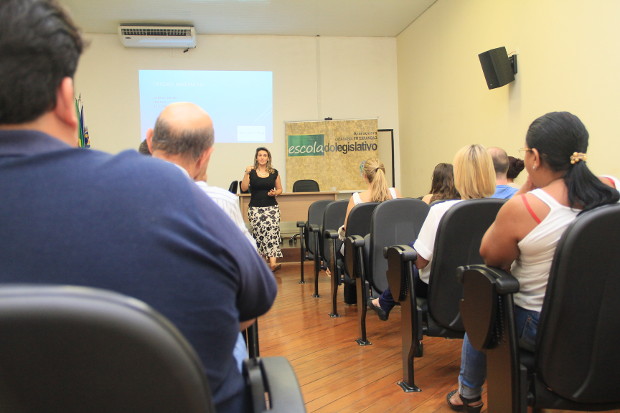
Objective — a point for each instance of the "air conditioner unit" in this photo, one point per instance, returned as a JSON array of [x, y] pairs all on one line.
[[142, 35]]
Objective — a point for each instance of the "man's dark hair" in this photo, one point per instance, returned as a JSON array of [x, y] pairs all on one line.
[[176, 141], [39, 46], [144, 148]]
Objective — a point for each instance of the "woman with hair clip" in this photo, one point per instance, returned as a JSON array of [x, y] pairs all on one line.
[[474, 177], [527, 228], [442, 184], [263, 211]]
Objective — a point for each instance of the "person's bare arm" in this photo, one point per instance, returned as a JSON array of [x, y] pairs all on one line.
[[499, 244], [245, 182]]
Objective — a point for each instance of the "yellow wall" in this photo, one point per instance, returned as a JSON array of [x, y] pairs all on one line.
[[568, 59], [313, 78]]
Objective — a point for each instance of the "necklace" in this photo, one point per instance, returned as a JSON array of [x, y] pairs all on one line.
[[262, 174]]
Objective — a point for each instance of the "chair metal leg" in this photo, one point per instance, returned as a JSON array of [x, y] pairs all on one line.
[[302, 253], [411, 344], [335, 281], [362, 302], [317, 266]]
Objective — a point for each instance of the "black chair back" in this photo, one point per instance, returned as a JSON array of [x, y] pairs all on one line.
[[233, 187], [76, 349], [396, 221], [306, 185], [579, 327], [457, 243], [333, 218], [575, 365], [316, 212]]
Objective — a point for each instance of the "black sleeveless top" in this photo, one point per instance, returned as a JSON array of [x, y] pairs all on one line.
[[259, 188]]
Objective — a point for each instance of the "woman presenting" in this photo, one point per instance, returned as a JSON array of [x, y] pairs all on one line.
[[263, 212]]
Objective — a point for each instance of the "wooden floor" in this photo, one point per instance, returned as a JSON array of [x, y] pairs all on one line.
[[334, 372]]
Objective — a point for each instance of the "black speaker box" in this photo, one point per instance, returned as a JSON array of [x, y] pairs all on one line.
[[496, 67]]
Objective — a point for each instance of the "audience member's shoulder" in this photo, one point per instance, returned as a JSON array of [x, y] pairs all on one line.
[[217, 191]]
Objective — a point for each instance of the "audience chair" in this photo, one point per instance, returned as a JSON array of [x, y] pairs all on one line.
[[333, 218], [77, 349], [233, 187], [309, 246], [306, 185], [396, 221], [457, 243], [250, 335], [576, 364], [241, 191], [358, 223]]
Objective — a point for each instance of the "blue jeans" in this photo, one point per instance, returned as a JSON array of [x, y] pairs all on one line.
[[474, 362], [386, 300]]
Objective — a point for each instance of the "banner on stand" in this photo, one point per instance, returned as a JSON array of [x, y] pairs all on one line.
[[330, 152]]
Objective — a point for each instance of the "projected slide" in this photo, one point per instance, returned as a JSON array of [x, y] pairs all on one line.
[[240, 102]]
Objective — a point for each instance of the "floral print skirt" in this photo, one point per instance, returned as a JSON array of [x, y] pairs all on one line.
[[265, 223]]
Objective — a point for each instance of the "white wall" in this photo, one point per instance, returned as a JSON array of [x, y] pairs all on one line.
[[314, 78], [567, 60]]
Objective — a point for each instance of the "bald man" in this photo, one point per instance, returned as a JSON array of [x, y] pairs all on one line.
[[184, 136], [501, 164]]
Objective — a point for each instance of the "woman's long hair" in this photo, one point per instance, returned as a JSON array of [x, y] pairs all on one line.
[[442, 185], [375, 172], [557, 136], [474, 175], [269, 167]]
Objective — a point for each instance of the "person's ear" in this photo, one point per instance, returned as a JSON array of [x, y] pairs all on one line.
[[203, 161], [149, 139], [65, 110], [536, 160]]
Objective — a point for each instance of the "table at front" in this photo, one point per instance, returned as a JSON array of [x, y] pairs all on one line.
[[293, 205]]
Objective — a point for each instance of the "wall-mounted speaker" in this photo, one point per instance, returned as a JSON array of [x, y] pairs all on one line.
[[498, 68]]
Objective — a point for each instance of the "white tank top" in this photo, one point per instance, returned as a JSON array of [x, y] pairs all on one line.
[[536, 252], [358, 200]]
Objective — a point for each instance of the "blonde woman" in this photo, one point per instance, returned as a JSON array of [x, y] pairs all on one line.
[[373, 172], [474, 177], [263, 211]]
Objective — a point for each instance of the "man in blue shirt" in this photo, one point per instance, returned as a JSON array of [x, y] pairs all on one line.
[[501, 164], [127, 223]]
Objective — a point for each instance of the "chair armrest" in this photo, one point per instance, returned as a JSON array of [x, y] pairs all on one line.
[[315, 228], [330, 233], [353, 252], [275, 377], [400, 259], [356, 241], [301, 224], [482, 288], [503, 282]]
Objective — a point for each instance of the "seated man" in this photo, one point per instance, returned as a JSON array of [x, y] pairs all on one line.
[[127, 223], [501, 164], [183, 135]]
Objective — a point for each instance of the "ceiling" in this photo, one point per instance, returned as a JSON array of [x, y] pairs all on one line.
[[349, 18]]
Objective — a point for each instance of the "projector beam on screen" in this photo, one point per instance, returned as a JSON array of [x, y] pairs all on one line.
[[240, 102]]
